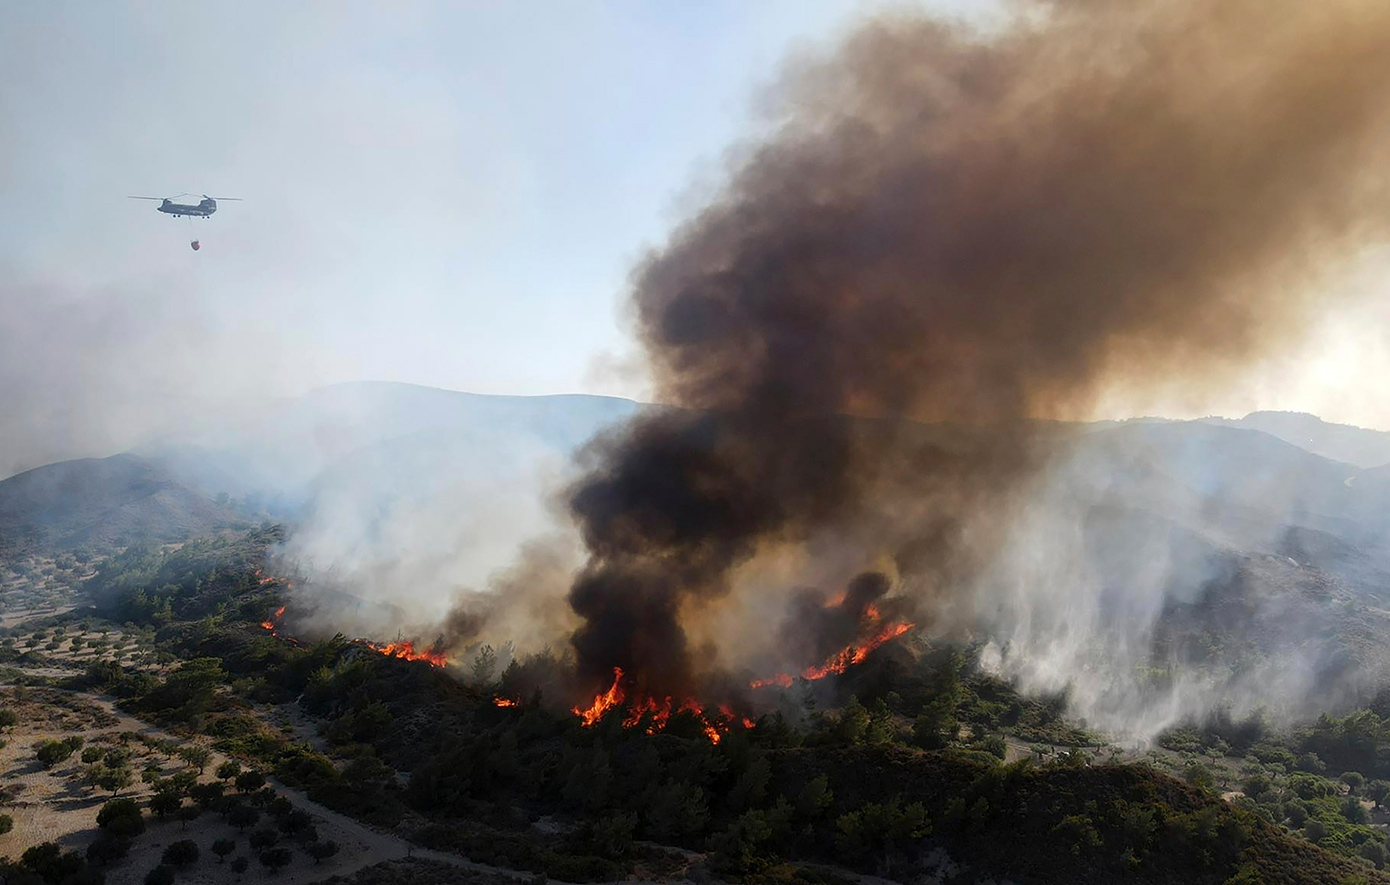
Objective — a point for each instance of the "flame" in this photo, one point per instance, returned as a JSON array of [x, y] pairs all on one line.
[[262, 579], [604, 702], [406, 651], [847, 656], [781, 679], [503, 702], [652, 714], [274, 619]]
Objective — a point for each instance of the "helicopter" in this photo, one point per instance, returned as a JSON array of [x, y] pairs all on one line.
[[202, 209]]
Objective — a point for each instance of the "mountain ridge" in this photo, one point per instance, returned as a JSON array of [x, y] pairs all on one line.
[[1361, 446]]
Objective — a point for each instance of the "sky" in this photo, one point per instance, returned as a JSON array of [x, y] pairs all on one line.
[[450, 194]]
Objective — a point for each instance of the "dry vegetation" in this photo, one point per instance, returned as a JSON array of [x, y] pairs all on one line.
[[60, 802], [36, 584]]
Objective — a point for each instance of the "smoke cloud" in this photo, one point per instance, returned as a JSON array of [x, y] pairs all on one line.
[[945, 236], [95, 369]]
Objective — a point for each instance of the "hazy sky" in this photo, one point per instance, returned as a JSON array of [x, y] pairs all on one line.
[[449, 194]]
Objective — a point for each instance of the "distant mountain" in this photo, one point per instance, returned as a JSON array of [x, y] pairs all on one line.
[[1339, 442], [1244, 490], [102, 501], [400, 494], [284, 454], [1225, 474]]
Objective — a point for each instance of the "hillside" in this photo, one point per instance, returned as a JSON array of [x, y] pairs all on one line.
[[1227, 552], [1338, 442], [898, 772], [102, 501], [396, 496], [896, 768]]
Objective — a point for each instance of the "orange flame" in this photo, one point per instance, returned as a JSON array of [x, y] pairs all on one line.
[[652, 713], [851, 655], [406, 651], [503, 702], [846, 657], [604, 702], [274, 619], [782, 679]]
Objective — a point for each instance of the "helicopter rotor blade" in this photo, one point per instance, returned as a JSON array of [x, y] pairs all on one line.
[[226, 199], [145, 198]]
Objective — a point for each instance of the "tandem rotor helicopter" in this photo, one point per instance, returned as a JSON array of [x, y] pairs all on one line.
[[202, 209]]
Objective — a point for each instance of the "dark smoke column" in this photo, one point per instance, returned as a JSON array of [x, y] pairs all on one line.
[[950, 226]]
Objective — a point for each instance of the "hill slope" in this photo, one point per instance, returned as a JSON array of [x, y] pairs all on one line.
[[102, 501], [1339, 442]]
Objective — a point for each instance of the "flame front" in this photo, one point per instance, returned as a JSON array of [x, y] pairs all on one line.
[[503, 702], [847, 656], [652, 713], [406, 651]]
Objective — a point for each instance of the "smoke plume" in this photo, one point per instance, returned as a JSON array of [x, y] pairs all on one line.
[[946, 235]]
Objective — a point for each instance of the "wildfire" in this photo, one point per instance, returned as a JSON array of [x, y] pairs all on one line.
[[604, 702], [781, 679], [846, 657], [274, 619], [503, 702], [406, 651], [653, 713]]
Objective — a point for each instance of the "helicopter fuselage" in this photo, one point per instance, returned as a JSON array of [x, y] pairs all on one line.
[[200, 210]]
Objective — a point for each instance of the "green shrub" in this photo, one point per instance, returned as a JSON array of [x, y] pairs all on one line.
[[181, 853], [50, 753], [121, 818]]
